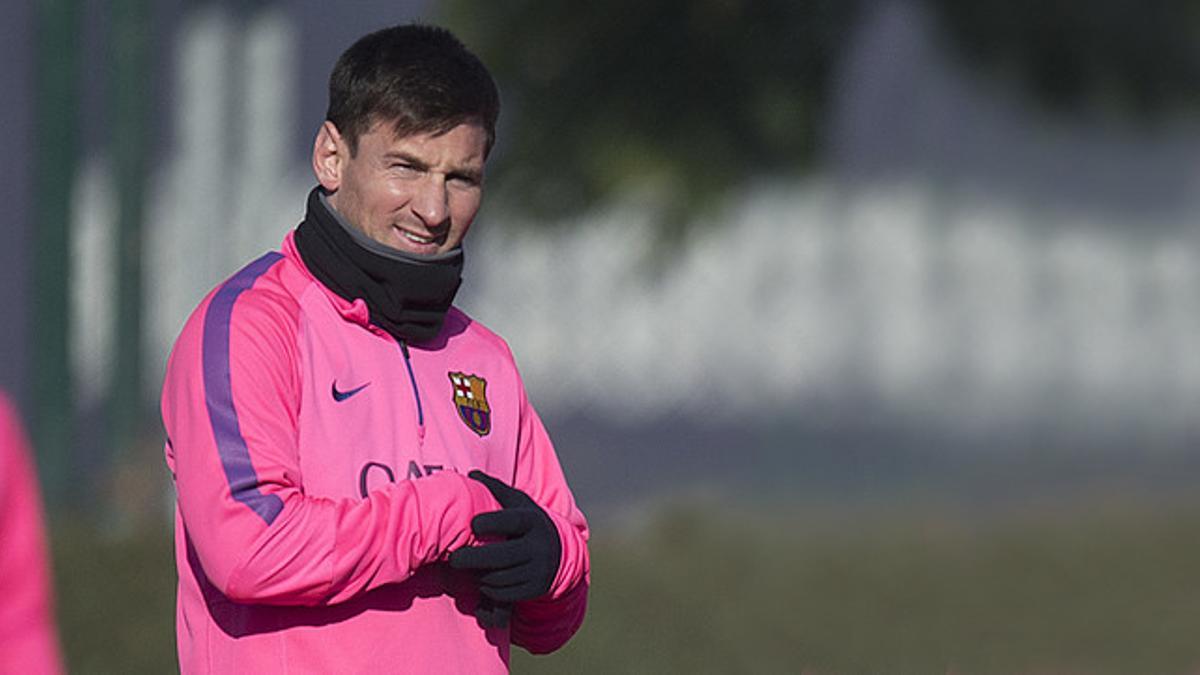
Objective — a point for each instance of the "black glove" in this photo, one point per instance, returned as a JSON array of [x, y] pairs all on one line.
[[521, 567], [492, 614]]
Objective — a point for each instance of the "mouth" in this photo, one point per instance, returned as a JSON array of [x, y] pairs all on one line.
[[423, 243]]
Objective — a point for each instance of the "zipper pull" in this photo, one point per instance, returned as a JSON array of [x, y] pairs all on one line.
[[404, 348]]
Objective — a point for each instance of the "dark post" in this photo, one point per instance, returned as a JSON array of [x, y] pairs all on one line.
[[130, 92], [55, 157]]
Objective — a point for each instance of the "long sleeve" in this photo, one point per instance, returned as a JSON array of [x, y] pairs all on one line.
[[545, 624], [28, 640], [230, 406]]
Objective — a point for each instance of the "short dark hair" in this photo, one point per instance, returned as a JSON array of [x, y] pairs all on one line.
[[419, 78]]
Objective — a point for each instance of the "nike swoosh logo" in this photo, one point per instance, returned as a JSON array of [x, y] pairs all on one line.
[[340, 396]]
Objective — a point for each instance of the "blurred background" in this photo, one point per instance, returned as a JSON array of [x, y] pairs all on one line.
[[865, 330]]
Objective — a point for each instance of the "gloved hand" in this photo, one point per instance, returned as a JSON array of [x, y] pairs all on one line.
[[492, 614], [523, 565]]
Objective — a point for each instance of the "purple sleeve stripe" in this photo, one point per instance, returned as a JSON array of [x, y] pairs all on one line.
[[218, 393]]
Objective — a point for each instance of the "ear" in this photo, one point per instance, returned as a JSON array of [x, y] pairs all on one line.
[[328, 158]]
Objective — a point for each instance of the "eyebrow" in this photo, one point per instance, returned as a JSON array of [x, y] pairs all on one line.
[[405, 157]]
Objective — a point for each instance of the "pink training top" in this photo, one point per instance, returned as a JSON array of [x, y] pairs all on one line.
[[28, 644], [321, 467]]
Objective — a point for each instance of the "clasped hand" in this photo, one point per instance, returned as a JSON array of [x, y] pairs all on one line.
[[522, 565]]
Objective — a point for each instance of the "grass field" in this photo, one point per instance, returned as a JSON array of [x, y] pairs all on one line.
[[1097, 587]]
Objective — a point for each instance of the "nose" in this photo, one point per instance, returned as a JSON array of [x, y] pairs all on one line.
[[430, 201]]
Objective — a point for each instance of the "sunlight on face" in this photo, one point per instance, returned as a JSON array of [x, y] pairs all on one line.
[[417, 193]]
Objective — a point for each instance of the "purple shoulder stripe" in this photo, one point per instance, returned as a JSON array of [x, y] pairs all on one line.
[[218, 392]]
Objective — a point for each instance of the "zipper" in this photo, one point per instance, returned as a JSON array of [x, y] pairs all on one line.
[[416, 393]]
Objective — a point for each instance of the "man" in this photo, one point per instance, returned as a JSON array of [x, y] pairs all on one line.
[[362, 483], [28, 640]]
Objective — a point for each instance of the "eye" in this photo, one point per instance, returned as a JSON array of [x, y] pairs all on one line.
[[463, 180]]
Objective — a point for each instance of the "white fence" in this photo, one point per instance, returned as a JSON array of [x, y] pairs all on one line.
[[946, 309]]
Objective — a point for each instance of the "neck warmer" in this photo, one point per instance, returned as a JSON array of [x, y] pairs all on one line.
[[407, 295]]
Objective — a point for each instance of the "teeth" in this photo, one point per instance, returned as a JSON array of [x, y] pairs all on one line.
[[417, 238]]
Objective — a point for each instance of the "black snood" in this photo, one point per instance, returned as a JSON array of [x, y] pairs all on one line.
[[407, 295]]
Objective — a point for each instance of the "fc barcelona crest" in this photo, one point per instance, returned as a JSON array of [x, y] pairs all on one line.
[[470, 398]]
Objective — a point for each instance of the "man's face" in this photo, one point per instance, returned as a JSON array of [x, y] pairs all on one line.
[[417, 193]]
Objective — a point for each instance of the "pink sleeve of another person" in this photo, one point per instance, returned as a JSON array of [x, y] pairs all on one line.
[[28, 641]]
